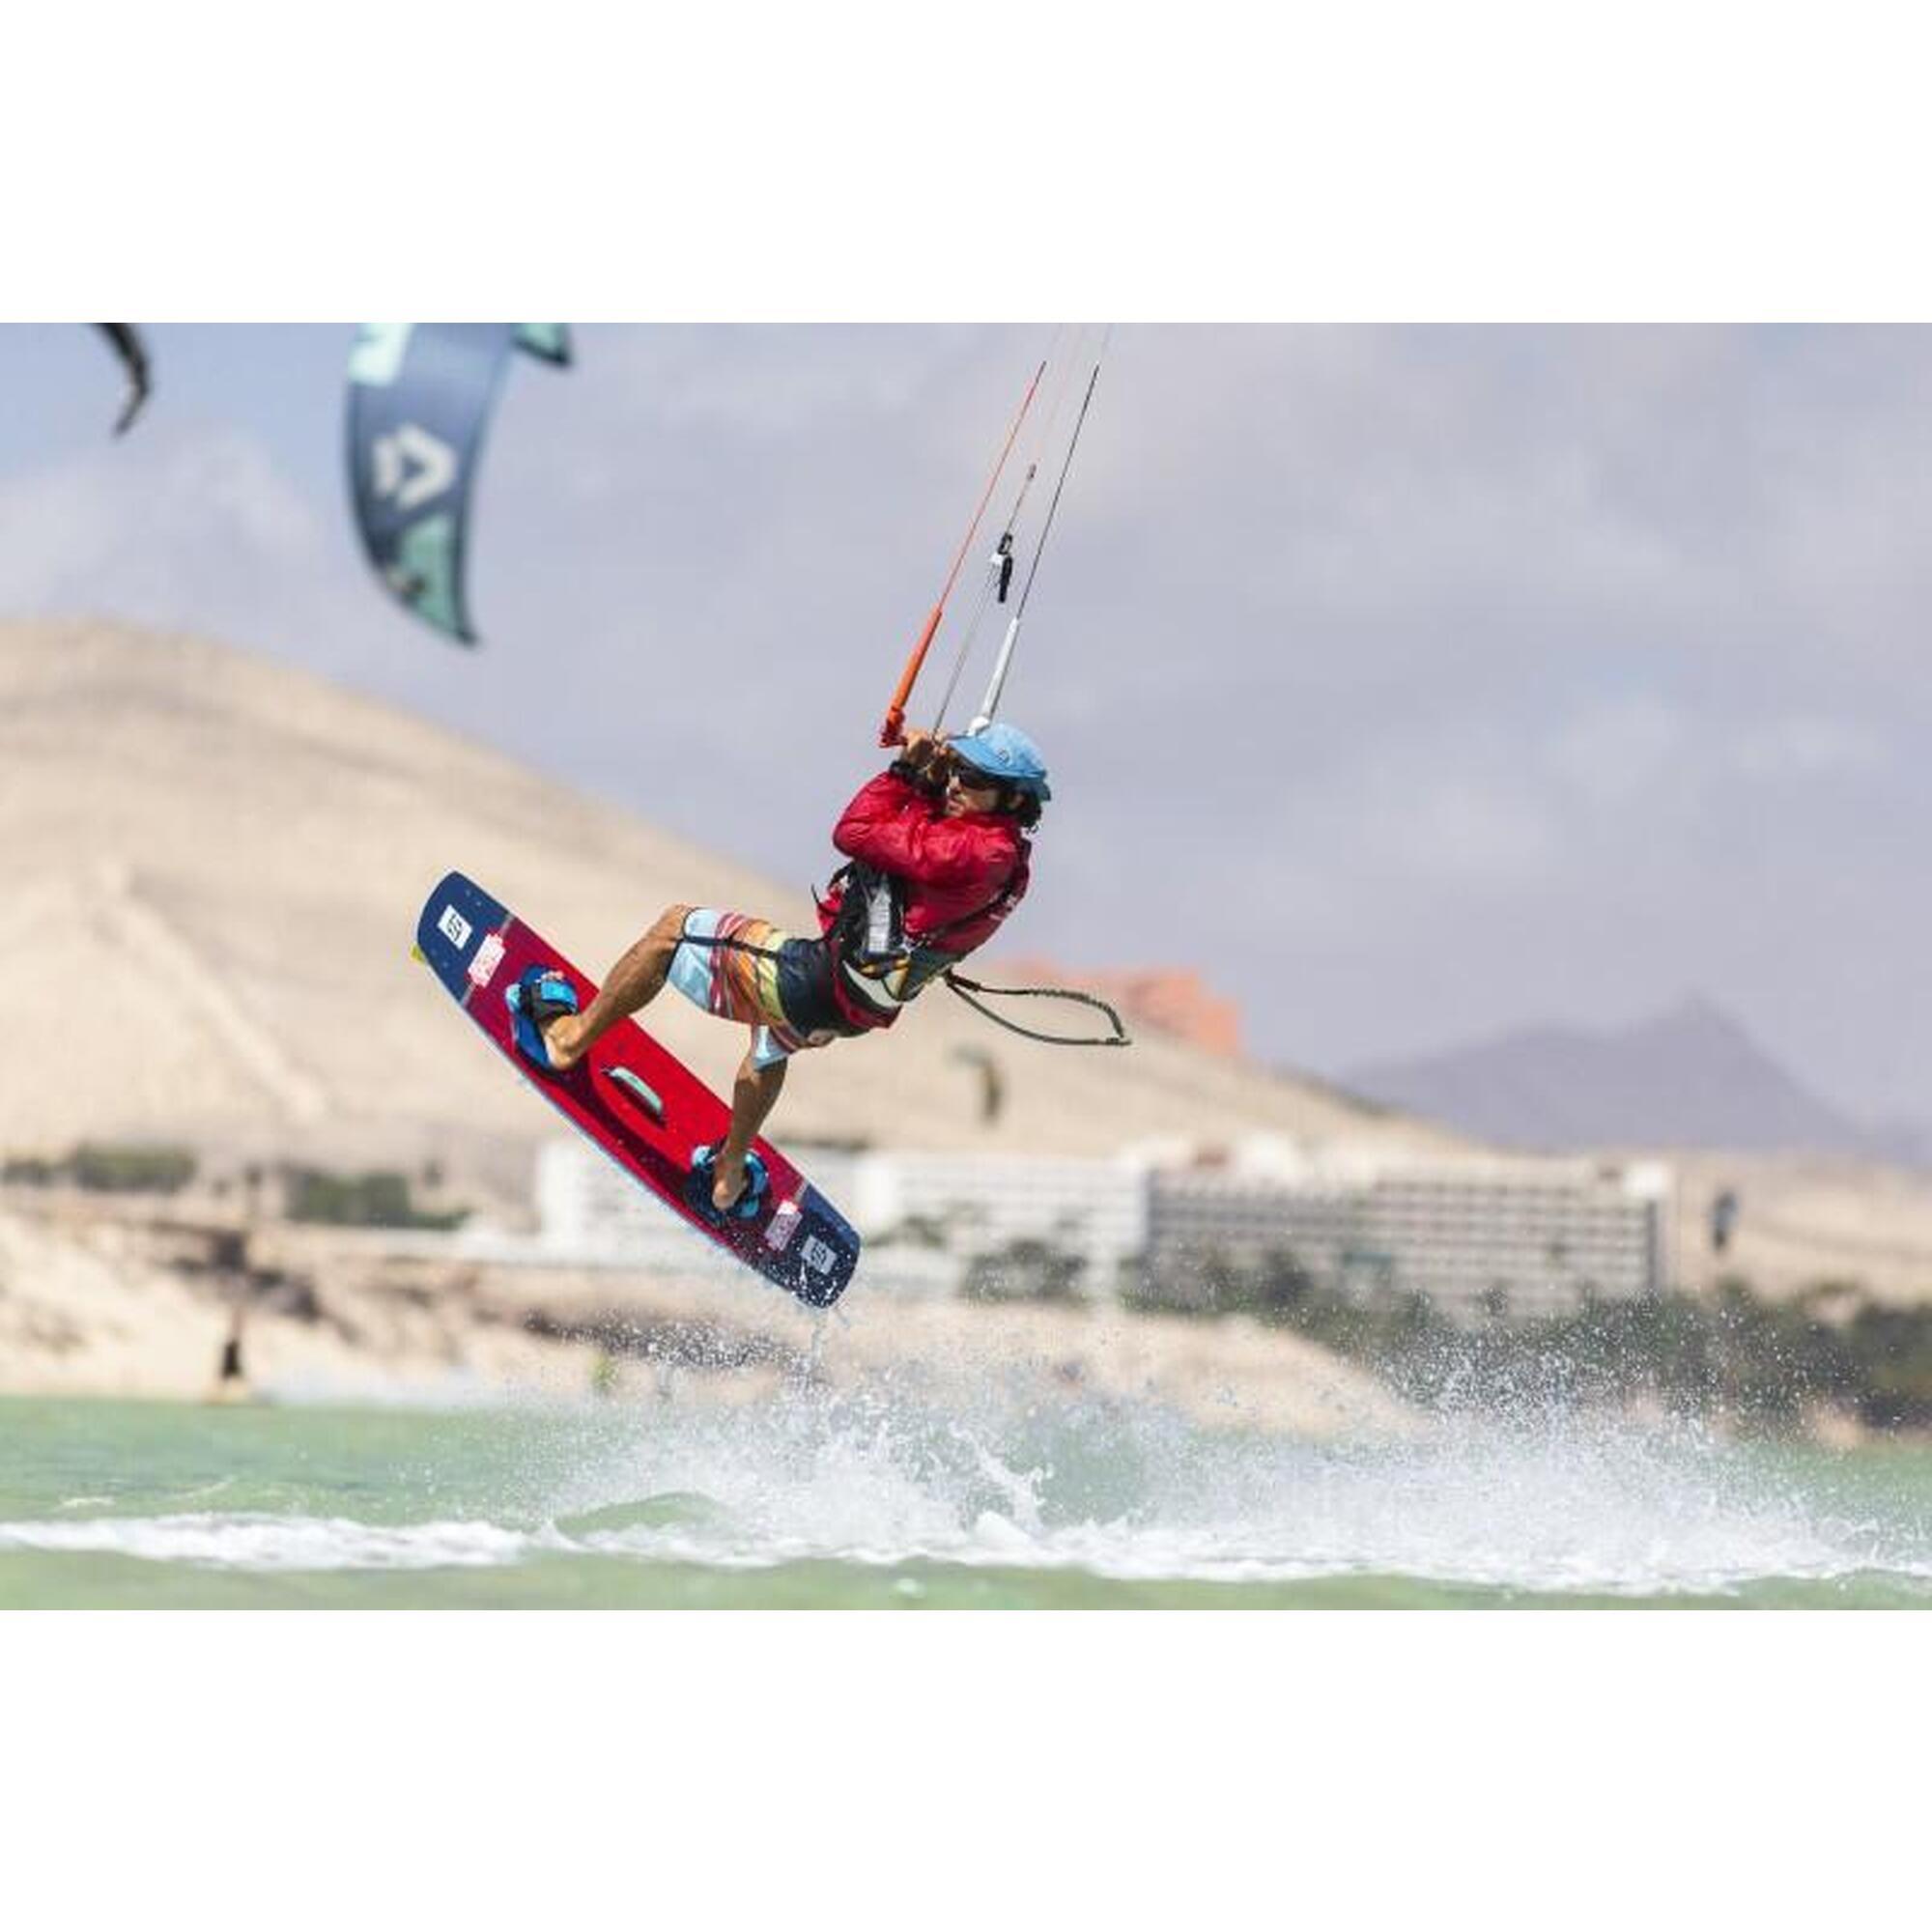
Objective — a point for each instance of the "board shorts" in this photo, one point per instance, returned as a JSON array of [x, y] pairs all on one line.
[[746, 969]]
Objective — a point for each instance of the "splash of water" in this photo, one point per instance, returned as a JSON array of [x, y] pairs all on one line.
[[1539, 1501]]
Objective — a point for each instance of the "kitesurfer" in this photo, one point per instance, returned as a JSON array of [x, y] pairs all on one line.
[[937, 856]]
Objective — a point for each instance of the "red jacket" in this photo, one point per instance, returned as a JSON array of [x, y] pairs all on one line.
[[951, 867]]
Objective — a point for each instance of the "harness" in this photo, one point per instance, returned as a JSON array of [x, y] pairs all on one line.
[[867, 953], [878, 967]]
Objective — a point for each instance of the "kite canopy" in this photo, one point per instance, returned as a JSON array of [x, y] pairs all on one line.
[[125, 339], [420, 396]]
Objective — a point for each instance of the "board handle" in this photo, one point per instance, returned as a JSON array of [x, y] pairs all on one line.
[[640, 1090]]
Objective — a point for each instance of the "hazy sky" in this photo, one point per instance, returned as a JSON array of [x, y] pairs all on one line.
[[1412, 683]]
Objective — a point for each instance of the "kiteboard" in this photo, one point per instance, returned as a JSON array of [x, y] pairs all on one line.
[[634, 1100]]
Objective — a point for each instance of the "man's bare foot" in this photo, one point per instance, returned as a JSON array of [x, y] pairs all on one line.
[[729, 1181], [560, 1041], [547, 1028]]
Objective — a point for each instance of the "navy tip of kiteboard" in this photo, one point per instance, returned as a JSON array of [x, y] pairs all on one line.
[[541, 993], [698, 1187]]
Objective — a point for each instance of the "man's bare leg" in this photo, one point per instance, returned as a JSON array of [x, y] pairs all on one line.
[[633, 983], [755, 1093]]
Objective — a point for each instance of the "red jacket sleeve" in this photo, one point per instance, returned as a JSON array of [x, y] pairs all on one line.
[[894, 825]]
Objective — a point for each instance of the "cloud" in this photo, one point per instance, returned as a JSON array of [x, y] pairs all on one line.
[[172, 529], [1809, 748], [1611, 758]]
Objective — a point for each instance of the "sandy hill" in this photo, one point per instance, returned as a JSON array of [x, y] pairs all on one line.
[[213, 865]]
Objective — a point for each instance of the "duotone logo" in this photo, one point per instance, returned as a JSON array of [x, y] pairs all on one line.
[[411, 466]]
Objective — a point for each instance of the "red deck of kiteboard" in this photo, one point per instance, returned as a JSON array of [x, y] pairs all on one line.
[[633, 1099]]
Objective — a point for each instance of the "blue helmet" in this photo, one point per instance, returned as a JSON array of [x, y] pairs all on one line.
[[1006, 752]]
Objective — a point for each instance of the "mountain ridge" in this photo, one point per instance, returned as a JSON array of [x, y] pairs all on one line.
[[1689, 1076]]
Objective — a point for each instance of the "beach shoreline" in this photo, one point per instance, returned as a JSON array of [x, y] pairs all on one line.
[[127, 1306]]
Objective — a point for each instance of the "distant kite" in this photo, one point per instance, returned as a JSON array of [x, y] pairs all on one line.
[[1723, 1220], [128, 345], [419, 399], [992, 1089]]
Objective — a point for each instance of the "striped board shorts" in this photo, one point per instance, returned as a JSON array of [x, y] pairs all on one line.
[[746, 969]]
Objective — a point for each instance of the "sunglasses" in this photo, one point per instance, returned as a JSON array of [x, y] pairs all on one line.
[[969, 777]]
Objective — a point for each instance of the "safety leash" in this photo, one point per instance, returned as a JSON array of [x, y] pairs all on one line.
[[966, 988]]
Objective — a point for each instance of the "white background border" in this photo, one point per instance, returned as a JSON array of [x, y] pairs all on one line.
[[1214, 162]]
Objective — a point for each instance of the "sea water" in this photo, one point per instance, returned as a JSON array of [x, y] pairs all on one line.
[[889, 1497]]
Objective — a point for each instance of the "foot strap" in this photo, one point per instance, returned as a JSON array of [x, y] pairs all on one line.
[[758, 1183], [540, 995]]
